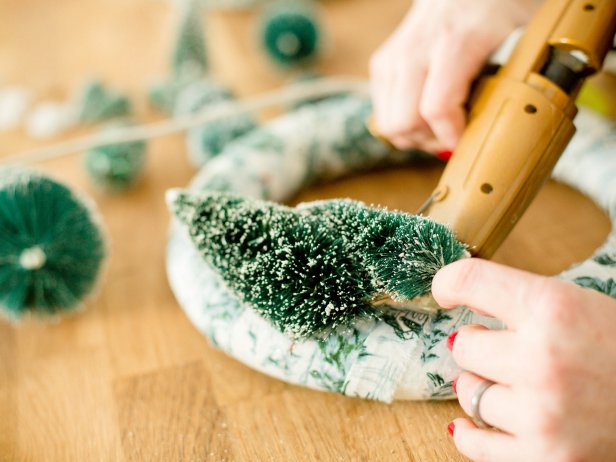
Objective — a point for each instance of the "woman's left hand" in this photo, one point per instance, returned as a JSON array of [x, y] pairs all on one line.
[[554, 365]]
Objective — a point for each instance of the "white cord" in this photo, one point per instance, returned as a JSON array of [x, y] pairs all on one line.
[[295, 92]]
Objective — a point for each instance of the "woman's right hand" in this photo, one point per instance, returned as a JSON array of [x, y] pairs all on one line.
[[420, 77]]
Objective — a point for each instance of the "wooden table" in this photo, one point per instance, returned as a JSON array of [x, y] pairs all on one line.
[[129, 378]]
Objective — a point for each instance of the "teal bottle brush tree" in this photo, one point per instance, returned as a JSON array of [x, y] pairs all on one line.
[[290, 33], [116, 167], [51, 245], [319, 266]]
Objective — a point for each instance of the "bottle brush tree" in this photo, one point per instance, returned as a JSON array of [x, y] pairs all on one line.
[[318, 266]]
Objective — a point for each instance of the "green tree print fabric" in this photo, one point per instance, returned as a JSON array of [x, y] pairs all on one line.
[[403, 355]]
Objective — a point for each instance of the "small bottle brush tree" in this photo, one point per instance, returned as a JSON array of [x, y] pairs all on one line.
[[319, 266], [190, 90], [100, 103], [51, 249], [209, 140], [189, 58], [290, 32], [116, 167]]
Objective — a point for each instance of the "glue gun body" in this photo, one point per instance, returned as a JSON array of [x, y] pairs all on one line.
[[520, 122]]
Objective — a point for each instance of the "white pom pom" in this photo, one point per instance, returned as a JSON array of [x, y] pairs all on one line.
[[13, 104], [50, 118]]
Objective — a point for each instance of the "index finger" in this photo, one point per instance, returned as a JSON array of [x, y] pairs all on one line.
[[497, 290]]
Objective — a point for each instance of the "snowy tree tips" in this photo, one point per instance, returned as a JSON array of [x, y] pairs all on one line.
[[51, 249], [319, 266], [403, 252], [288, 266]]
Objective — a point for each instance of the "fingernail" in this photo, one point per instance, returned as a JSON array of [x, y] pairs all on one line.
[[451, 427], [444, 155], [454, 385], [451, 339]]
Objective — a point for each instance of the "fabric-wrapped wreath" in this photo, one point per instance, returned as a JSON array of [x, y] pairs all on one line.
[[393, 353]]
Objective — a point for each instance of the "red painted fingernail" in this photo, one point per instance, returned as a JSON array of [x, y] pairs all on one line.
[[451, 339], [451, 427], [454, 385], [444, 155]]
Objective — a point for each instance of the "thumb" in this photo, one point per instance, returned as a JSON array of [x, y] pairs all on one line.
[[487, 287]]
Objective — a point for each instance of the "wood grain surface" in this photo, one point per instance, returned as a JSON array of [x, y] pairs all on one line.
[[128, 378]]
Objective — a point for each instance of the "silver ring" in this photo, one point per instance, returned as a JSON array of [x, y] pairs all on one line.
[[476, 401]]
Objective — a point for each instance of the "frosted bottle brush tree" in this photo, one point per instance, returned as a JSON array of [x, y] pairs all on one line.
[[319, 266], [51, 245]]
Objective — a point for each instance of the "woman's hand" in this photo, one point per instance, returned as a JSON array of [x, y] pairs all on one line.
[[421, 76], [554, 365]]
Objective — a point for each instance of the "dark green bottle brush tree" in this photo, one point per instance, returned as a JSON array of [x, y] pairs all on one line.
[[319, 266], [51, 245], [290, 33]]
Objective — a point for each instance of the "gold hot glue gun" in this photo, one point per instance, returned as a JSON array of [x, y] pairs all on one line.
[[520, 121]]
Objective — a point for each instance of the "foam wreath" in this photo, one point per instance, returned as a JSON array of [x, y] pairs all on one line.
[[399, 354]]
